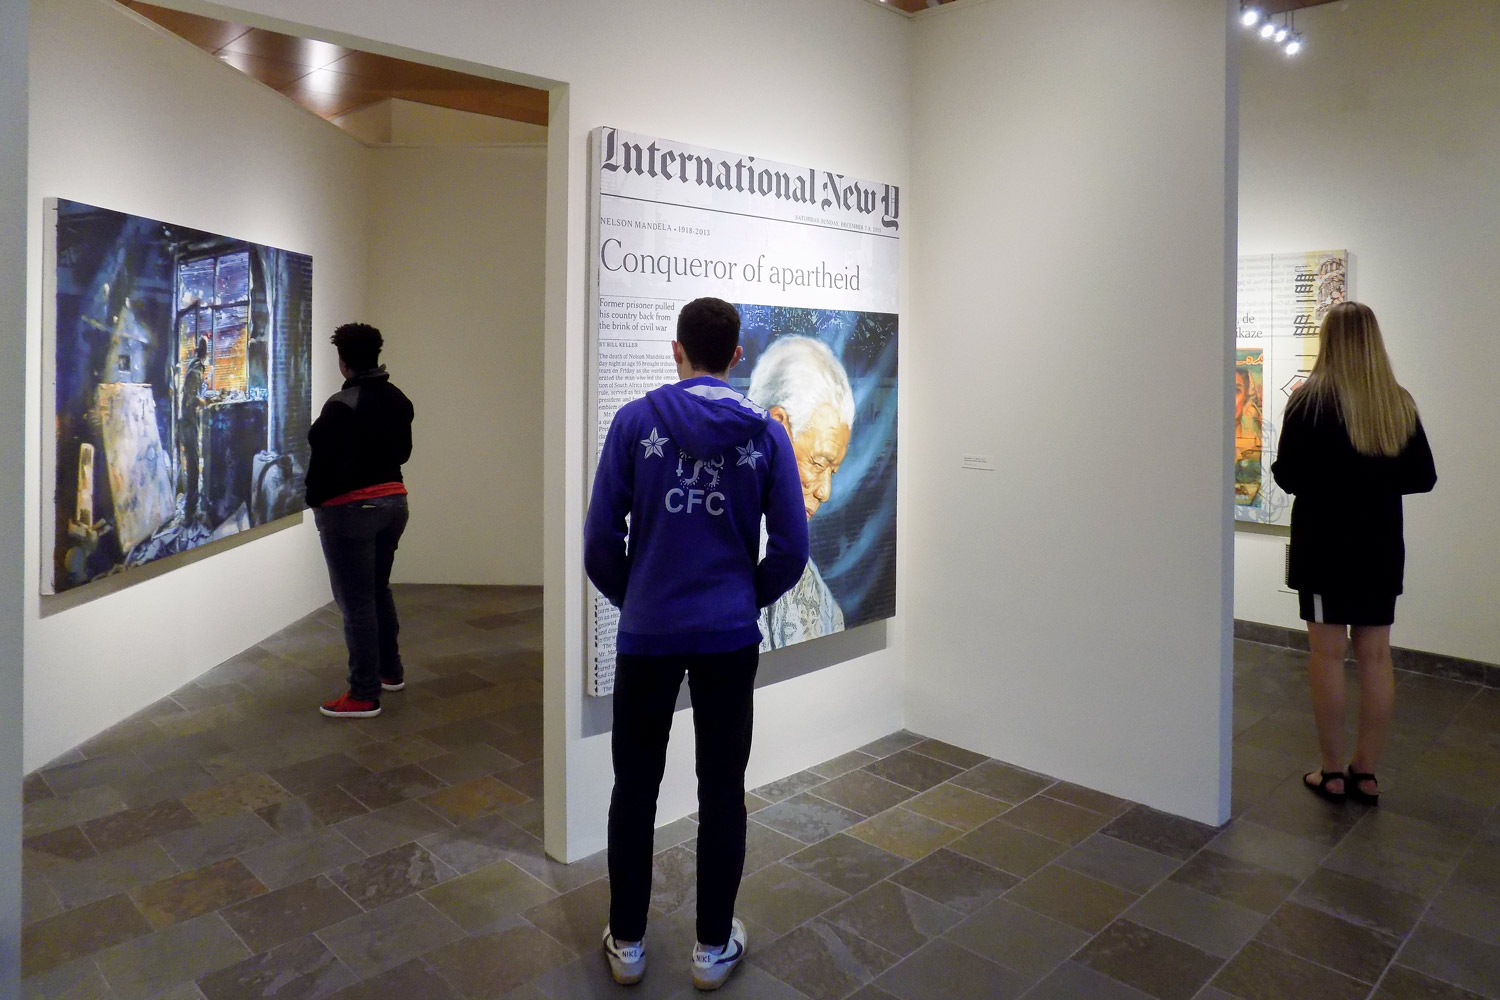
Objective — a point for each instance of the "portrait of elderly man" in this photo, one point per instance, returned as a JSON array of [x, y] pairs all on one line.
[[800, 383]]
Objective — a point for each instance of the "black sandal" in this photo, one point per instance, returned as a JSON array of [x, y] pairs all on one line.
[[1321, 789], [1358, 794]]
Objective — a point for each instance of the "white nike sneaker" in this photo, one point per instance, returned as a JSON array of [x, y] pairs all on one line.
[[627, 961], [712, 966]]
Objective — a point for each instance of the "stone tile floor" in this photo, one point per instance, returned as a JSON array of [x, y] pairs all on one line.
[[230, 843]]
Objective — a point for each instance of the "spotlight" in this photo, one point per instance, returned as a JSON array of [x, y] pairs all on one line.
[[1267, 30], [1249, 16], [1294, 45], [1281, 34]]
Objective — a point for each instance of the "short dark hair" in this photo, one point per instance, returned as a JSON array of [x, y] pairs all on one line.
[[709, 331], [359, 346]]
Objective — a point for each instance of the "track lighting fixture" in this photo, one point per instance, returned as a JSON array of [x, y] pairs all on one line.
[[1284, 34]]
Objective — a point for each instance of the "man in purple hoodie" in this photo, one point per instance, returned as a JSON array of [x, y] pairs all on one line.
[[695, 466]]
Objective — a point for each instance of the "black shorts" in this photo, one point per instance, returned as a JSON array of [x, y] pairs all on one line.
[[1347, 609]]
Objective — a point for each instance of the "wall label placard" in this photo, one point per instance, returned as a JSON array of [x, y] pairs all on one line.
[[806, 255]]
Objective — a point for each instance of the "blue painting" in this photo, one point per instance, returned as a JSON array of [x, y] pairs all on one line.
[[183, 372], [830, 377]]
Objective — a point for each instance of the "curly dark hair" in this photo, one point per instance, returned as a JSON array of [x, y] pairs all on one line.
[[359, 346]]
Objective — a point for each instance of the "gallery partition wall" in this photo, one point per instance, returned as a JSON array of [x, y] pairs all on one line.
[[13, 299]]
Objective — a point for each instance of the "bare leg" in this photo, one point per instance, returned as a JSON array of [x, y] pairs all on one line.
[[1377, 684], [1325, 668]]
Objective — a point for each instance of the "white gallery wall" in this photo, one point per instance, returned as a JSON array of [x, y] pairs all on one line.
[[1067, 611], [13, 438], [117, 107], [456, 285], [1383, 137]]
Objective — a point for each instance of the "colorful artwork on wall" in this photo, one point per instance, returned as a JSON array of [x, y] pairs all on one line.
[[1282, 299], [180, 369], [1249, 432], [811, 258]]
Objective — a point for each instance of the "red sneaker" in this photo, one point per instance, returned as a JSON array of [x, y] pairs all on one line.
[[346, 706], [389, 684]]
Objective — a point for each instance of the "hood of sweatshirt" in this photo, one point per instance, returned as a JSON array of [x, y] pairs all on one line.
[[704, 416]]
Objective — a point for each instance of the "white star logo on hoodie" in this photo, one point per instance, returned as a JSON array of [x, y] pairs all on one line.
[[748, 454], [654, 444]]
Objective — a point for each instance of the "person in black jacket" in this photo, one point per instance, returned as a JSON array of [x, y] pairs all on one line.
[[1351, 445], [354, 485]]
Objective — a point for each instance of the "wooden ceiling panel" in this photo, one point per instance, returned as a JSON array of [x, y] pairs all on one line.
[[204, 32], [268, 71], [1265, 6], [331, 80], [307, 52], [383, 71], [1273, 7], [331, 105]]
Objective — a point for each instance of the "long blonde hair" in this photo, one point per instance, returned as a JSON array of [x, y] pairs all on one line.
[[1353, 373]]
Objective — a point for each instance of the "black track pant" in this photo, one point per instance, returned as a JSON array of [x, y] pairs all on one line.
[[722, 687]]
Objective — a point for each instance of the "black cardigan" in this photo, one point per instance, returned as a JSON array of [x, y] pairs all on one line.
[[362, 437], [1346, 520]]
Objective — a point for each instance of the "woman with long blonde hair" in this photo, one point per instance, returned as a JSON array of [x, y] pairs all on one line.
[[1351, 446]]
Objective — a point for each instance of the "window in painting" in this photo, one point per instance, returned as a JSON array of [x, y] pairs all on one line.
[[213, 302]]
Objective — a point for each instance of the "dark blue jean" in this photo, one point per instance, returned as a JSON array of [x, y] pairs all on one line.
[[359, 545]]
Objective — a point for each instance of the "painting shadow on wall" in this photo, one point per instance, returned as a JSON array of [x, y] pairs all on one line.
[[52, 604]]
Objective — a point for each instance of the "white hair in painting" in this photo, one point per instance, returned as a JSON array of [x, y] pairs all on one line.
[[799, 374]]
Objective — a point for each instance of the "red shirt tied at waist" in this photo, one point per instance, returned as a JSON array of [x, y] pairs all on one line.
[[366, 493]]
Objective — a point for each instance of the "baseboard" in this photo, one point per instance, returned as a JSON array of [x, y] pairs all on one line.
[[1418, 661]]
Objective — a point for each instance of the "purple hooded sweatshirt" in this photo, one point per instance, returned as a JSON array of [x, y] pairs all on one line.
[[695, 465]]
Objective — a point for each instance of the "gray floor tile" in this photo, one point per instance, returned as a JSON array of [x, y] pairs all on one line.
[[1072, 898], [1320, 937], [1072, 981], [300, 970], [1362, 902], [292, 859], [1240, 882], [846, 863], [943, 971], [1454, 958], [1262, 973], [1118, 863], [482, 900], [1468, 912], [1151, 962], [1401, 983], [781, 898], [182, 952], [1206, 922], [1161, 832], [807, 818], [287, 914], [956, 881], [897, 919], [382, 939], [1261, 845], [218, 839], [1019, 939], [823, 961]]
